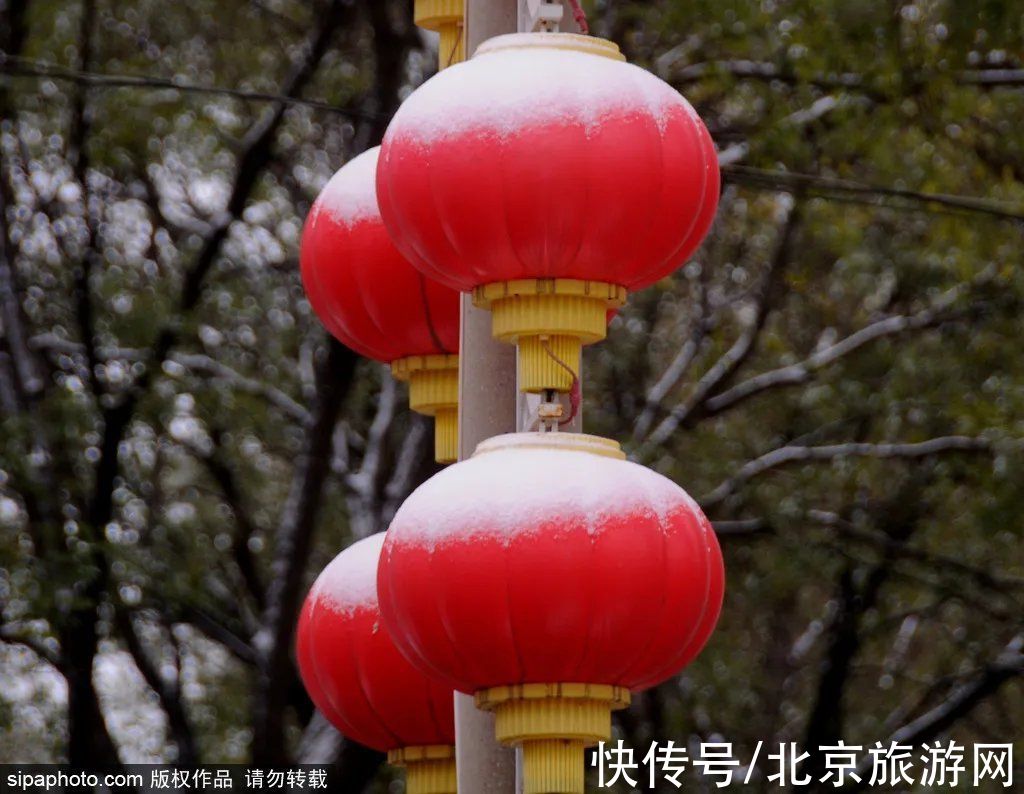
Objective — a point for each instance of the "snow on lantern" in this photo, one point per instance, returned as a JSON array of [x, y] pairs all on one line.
[[549, 178], [550, 578], [372, 300], [361, 683]]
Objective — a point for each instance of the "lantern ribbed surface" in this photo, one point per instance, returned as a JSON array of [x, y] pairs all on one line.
[[547, 159], [547, 558], [361, 682], [372, 300]]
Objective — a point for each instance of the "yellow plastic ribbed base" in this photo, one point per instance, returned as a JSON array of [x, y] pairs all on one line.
[[549, 362], [444, 16], [434, 391], [553, 765], [542, 316], [428, 770], [433, 381], [451, 49], [431, 14], [553, 723], [446, 435]]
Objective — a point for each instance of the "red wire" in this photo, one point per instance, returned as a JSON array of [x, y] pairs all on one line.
[[580, 16], [575, 398], [575, 389]]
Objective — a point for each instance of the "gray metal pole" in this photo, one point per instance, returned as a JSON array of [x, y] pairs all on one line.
[[488, 406]]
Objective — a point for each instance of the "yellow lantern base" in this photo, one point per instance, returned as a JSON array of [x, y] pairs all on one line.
[[434, 391], [550, 319], [553, 723], [445, 17], [428, 770]]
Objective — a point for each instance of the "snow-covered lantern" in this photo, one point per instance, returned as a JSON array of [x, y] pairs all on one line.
[[549, 577], [361, 683], [372, 300], [549, 178]]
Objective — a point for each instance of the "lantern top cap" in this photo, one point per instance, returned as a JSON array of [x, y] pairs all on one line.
[[589, 45], [570, 442]]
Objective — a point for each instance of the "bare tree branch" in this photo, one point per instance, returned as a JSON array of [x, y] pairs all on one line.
[[944, 564], [938, 562], [184, 224], [754, 70], [365, 484], [391, 47], [11, 636], [680, 365], [417, 447], [265, 8], [78, 155], [742, 527], [202, 363], [733, 358], [859, 588], [28, 382], [320, 743], [291, 553], [797, 120], [993, 78], [1008, 665], [8, 397], [79, 637], [246, 528], [215, 629], [798, 454], [801, 372], [196, 363], [168, 694], [256, 154]]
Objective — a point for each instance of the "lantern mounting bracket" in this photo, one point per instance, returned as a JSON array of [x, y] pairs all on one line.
[[550, 411], [541, 16]]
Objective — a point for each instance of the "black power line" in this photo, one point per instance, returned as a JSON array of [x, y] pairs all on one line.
[[34, 69]]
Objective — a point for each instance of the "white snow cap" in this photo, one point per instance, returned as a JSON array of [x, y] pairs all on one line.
[[502, 90], [511, 491], [351, 194], [350, 579]]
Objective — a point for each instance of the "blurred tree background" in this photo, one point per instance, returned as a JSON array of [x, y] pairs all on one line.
[[837, 376]]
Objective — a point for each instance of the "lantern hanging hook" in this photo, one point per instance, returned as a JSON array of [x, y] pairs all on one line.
[[545, 16]]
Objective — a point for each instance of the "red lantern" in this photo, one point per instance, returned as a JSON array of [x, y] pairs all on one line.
[[358, 679], [550, 577], [549, 177], [370, 298]]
